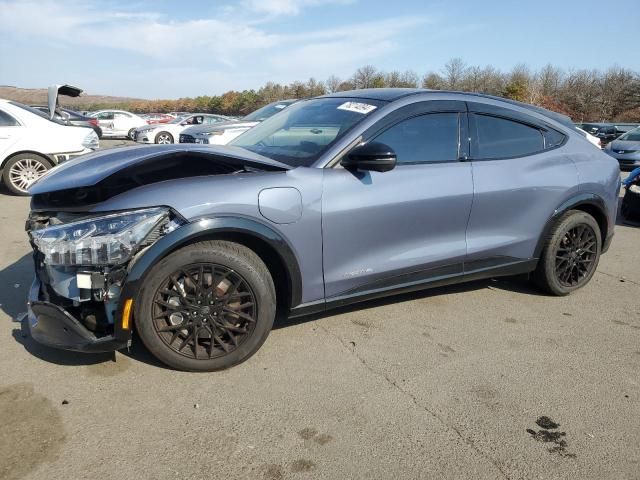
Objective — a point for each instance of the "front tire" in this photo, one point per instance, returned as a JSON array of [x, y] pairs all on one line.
[[164, 138], [571, 254], [206, 307], [21, 171]]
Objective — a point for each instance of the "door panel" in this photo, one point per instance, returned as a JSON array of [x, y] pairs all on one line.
[[403, 225], [514, 197]]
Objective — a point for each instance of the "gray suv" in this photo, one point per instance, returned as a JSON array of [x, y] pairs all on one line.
[[335, 200]]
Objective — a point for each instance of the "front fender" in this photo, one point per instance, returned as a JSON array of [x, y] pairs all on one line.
[[201, 229]]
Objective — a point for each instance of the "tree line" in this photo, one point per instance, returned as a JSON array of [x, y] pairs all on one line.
[[584, 95]]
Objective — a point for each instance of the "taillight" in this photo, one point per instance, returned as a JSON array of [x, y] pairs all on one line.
[[93, 122]]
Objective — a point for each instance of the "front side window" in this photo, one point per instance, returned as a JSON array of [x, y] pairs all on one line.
[[498, 138], [427, 138], [301, 133], [7, 120]]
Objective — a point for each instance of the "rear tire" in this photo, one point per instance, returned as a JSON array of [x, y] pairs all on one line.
[[220, 292], [571, 254], [164, 138], [131, 134], [22, 170]]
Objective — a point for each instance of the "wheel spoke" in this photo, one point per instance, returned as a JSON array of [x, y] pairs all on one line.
[[192, 293]]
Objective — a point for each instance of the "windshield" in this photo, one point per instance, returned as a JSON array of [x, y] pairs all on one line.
[[267, 111], [302, 132], [37, 112], [632, 136]]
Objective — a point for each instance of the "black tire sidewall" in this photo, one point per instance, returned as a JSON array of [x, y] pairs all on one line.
[[246, 264], [549, 279], [7, 167]]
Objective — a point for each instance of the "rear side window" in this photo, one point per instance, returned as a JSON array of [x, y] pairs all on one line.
[[427, 138], [7, 120], [501, 138]]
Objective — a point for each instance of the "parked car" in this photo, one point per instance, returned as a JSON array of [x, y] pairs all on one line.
[[626, 149], [630, 209], [153, 118], [591, 127], [179, 114], [118, 123], [169, 132], [594, 140], [31, 144], [70, 117], [609, 133], [223, 133], [337, 199]]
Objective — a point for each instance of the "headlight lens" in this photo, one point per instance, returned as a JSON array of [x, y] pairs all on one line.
[[106, 240], [91, 141]]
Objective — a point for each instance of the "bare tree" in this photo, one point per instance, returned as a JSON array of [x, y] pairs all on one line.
[[454, 71], [333, 84], [365, 77], [433, 81]]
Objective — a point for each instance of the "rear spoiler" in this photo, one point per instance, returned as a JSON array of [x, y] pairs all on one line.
[[54, 91]]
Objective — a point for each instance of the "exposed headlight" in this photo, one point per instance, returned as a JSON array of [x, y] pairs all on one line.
[[105, 240], [91, 141]]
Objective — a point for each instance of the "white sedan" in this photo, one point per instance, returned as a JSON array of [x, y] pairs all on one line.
[[31, 144], [165, 133], [118, 123]]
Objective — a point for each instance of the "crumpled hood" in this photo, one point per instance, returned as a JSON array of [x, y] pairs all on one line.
[[625, 145], [199, 129], [88, 170]]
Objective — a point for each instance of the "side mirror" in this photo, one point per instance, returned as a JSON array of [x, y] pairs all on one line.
[[374, 156]]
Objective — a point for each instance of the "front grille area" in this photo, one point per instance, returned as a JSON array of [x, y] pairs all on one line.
[[187, 139]]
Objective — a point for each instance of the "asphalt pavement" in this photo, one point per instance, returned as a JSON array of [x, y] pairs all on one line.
[[486, 380]]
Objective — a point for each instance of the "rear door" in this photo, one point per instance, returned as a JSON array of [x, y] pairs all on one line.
[[10, 132], [521, 174], [406, 226], [106, 121]]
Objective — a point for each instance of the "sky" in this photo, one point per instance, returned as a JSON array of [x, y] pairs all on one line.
[[172, 49]]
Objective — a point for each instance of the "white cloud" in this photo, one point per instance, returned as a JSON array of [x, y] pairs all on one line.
[[225, 49], [287, 7]]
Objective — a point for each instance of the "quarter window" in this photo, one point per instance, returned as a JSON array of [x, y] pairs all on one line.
[[7, 120], [426, 138], [502, 138]]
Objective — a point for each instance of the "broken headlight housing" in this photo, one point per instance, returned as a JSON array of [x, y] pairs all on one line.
[[102, 240]]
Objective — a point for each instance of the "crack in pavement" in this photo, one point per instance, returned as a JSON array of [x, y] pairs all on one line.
[[466, 441], [618, 277]]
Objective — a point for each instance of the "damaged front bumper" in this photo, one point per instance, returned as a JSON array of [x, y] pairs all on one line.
[[52, 325]]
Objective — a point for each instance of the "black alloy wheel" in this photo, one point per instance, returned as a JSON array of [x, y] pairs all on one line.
[[575, 255], [204, 310], [570, 255], [205, 307]]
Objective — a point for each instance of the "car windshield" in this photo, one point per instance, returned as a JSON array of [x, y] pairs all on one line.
[[632, 136], [302, 132], [267, 111]]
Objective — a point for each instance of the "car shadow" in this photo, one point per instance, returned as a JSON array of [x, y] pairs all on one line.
[[517, 284]]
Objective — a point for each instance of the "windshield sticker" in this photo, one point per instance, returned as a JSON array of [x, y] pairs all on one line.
[[357, 107], [279, 106]]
